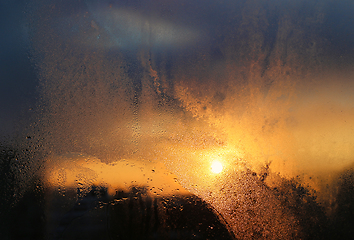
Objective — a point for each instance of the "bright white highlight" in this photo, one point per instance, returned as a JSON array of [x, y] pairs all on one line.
[[216, 167]]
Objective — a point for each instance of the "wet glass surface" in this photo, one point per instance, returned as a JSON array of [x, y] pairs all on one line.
[[170, 119]]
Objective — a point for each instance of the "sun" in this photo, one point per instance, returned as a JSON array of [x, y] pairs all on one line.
[[216, 167]]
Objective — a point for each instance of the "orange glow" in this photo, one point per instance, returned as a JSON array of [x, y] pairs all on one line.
[[81, 171]]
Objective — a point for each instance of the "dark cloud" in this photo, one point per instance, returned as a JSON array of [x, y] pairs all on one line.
[[338, 30], [18, 80]]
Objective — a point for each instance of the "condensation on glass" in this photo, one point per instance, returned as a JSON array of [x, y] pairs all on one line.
[[186, 120]]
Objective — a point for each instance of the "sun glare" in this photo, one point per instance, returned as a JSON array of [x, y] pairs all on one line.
[[216, 167]]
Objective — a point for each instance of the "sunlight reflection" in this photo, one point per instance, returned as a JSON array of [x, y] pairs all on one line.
[[216, 167]]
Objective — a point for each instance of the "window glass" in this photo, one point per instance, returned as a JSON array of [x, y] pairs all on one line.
[[169, 119]]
